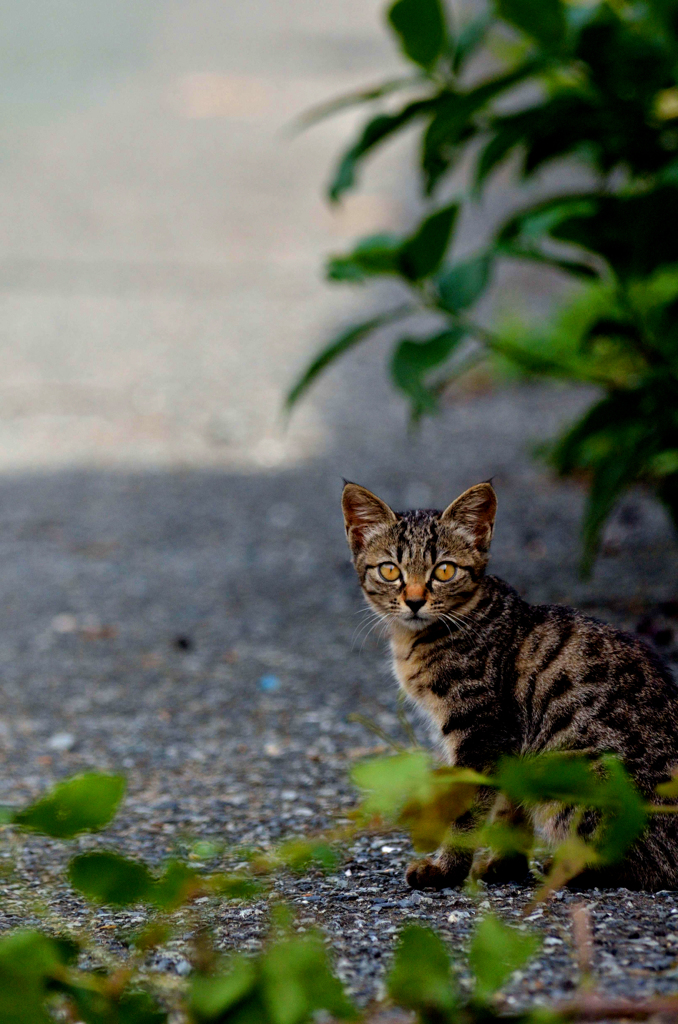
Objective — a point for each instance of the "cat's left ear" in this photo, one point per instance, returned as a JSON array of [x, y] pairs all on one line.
[[473, 512], [364, 513]]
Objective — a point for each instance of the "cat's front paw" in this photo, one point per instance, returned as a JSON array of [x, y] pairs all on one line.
[[431, 874], [495, 870]]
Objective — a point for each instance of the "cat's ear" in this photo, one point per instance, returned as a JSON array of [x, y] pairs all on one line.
[[473, 512], [364, 513]]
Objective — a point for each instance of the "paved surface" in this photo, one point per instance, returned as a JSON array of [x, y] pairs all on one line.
[[176, 596], [162, 233]]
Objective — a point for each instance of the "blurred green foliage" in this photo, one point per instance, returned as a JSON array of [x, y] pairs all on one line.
[[496, 952], [84, 803], [409, 791], [421, 976], [592, 81], [291, 980], [288, 984]]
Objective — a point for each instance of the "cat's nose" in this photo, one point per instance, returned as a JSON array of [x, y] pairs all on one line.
[[414, 606]]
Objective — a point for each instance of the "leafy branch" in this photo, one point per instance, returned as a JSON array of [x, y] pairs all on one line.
[[291, 980], [603, 91]]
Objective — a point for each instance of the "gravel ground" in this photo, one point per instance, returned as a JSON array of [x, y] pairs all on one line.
[[198, 632]]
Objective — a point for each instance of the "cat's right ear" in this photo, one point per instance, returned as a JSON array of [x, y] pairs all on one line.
[[364, 513]]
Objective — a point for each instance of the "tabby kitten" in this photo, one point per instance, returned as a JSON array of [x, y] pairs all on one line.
[[495, 675]]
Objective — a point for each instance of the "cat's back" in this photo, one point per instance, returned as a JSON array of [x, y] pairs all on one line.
[[583, 684], [561, 641]]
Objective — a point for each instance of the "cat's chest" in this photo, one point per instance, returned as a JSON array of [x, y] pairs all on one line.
[[416, 676]]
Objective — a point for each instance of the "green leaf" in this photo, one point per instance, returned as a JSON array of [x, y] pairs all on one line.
[[574, 780], [471, 36], [669, 790], [373, 255], [611, 327], [531, 360], [443, 145], [601, 422], [301, 854], [498, 950], [351, 99], [664, 464], [569, 266], [412, 360], [130, 1007], [389, 782], [454, 122], [570, 858], [85, 803], [611, 477], [603, 225], [562, 124], [527, 229], [374, 132], [462, 284], [544, 20], [106, 877], [667, 492], [507, 133], [297, 982], [412, 257], [28, 963], [664, 11], [557, 775], [109, 878], [233, 886], [423, 253], [420, 978], [628, 68], [628, 231], [624, 815], [177, 884], [137, 1008], [405, 791], [503, 839], [627, 422], [420, 24], [150, 936], [212, 996], [343, 343]]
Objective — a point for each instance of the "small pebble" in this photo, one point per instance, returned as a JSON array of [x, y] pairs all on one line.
[[61, 741], [64, 623], [457, 915]]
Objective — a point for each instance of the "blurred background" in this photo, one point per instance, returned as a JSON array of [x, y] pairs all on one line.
[[161, 235], [163, 232], [167, 543]]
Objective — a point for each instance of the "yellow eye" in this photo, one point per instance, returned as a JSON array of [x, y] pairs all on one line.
[[389, 572], [445, 571]]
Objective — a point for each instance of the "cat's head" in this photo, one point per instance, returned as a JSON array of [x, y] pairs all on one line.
[[417, 567]]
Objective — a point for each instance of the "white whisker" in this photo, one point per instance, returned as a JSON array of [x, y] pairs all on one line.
[[464, 627], [371, 618], [373, 626]]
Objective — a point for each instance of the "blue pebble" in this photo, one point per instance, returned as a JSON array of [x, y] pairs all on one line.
[[269, 683]]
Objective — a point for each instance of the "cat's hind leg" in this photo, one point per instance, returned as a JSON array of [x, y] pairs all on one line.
[[494, 867], [452, 865], [448, 868], [650, 864]]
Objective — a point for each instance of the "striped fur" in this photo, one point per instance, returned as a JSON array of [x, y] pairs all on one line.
[[495, 675]]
